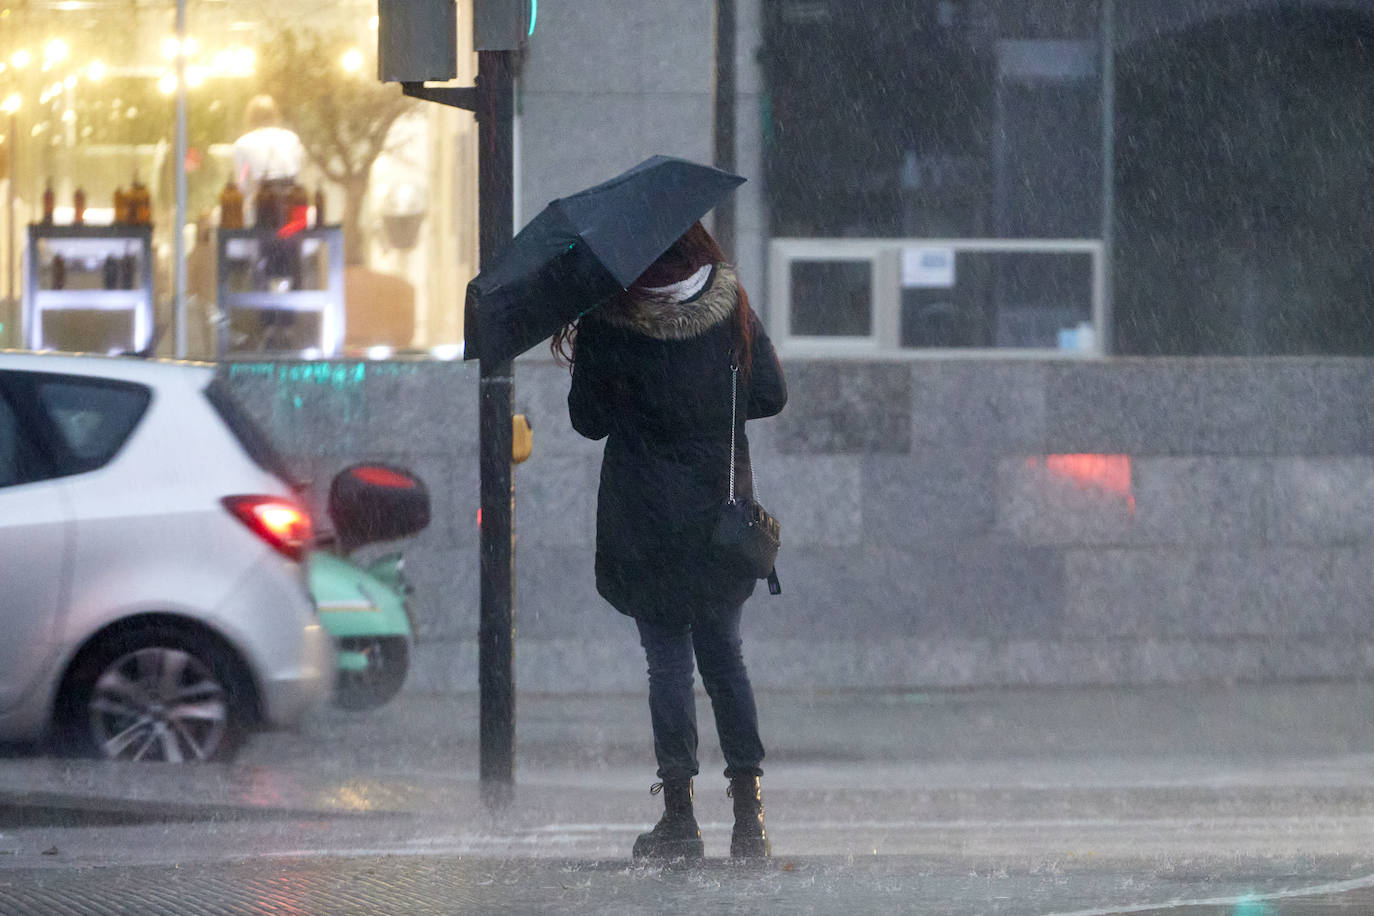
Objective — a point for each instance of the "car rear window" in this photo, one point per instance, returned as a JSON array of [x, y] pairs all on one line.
[[246, 430], [92, 417]]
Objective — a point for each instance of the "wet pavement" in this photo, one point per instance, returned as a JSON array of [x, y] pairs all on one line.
[[1243, 801], [442, 885]]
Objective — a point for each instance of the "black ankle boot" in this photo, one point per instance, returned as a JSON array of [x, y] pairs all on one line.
[[676, 835], [749, 840]]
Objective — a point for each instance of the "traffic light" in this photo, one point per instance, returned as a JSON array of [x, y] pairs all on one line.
[[503, 25], [521, 438], [417, 41]]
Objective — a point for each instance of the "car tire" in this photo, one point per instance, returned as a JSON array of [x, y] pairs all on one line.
[[155, 692], [388, 662]]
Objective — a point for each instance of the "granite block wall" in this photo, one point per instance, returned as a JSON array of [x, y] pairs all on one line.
[[946, 522]]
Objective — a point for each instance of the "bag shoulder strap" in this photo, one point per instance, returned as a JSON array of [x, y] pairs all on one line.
[[734, 419], [734, 405], [774, 584]]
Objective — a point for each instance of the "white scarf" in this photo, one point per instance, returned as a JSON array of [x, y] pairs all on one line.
[[682, 290]]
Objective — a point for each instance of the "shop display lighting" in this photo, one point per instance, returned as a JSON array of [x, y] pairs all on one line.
[[171, 47], [447, 351], [234, 61]]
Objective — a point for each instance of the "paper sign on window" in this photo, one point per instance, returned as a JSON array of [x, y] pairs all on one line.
[[927, 268]]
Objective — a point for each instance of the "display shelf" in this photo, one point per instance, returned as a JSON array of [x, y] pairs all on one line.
[[72, 271], [280, 294], [92, 298]]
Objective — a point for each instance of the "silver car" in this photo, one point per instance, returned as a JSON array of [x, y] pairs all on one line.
[[153, 604]]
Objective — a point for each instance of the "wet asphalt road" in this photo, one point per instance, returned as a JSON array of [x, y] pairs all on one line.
[[442, 885], [1190, 801]]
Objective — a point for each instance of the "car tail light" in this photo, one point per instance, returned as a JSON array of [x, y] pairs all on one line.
[[281, 523]]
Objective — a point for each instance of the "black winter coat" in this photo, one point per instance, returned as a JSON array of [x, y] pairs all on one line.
[[653, 379]]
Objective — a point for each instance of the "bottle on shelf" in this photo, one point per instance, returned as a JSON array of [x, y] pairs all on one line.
[[59, 272], [49, 202], [140, 204], [231, 206], [79, 207], [267, 207], [109, 274], [319, 206], [121, 206]]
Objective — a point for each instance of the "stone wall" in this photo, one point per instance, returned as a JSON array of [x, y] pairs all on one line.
[[946, 522]]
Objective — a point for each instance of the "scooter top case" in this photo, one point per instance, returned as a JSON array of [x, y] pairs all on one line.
[[366, 610], [376, 502]]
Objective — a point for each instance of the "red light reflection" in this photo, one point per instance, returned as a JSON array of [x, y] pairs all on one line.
[[1107, 473], [297, 223], [383, 477]]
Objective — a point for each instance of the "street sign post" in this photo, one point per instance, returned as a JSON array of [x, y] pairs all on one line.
[[496, 633], [417, 42]]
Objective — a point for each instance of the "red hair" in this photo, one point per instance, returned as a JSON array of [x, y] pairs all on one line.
[[692, 251]]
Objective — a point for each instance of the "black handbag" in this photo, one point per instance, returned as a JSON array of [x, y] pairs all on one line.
[[746, 536]]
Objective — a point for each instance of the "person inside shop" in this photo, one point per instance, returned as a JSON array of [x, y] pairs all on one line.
[[267, 155], [267, 162]]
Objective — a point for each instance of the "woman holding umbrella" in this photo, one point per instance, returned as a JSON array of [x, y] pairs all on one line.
[[651, 374]]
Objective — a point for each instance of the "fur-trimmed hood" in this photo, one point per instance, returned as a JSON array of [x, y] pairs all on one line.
[[673, 319], [663, 405]]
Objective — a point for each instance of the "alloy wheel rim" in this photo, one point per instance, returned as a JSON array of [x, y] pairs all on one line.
[[158, 703]]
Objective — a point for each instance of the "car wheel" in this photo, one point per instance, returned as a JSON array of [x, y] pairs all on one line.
[[388, 661], [155, 693]]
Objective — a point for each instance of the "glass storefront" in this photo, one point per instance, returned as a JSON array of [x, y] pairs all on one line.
[[1217, 155], [931, 175], [359, 242], [930, 122]]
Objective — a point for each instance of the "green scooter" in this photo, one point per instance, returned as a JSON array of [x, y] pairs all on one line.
[[366, 608]]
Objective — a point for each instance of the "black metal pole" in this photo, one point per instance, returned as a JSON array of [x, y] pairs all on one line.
[[12, 312], [724, 133], [496, 632]]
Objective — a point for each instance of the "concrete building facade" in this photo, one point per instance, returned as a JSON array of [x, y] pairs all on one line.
[[945, 522], [1187, 498]]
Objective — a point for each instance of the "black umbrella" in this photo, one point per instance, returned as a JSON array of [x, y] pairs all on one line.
[[581, 250]]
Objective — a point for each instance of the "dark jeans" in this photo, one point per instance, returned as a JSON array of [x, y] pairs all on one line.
[[715, 641]]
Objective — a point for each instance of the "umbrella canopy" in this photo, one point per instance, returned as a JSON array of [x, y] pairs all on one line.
[[582, 249]]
